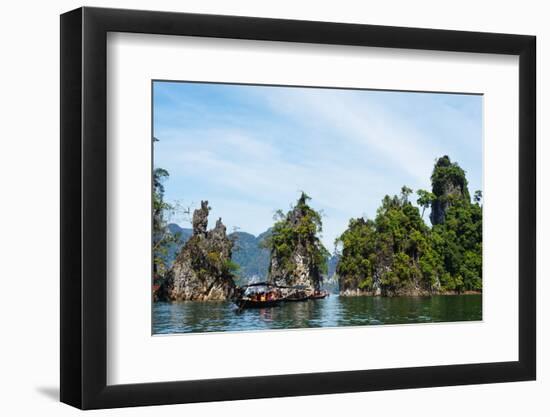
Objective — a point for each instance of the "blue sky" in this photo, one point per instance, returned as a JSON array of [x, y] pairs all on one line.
[[250, 150]]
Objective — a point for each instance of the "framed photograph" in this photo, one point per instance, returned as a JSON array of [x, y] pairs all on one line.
[[257, 208]]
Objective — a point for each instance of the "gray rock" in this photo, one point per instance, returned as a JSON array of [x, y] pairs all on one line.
[[200, 219], [202, 269], [448, 185], [441, 204], [302, 269]]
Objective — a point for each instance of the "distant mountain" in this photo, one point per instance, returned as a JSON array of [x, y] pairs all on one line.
[[330, 281], [332, 262], [183, 234], [252, 258]]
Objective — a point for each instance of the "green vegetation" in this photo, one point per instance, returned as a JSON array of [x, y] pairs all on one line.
[[448, 178], [458, 242], [397, 253], [425, 199], [163, 240], [296, 234], [216, 262]]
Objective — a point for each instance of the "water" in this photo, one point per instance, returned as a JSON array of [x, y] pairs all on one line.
[[334, 311]]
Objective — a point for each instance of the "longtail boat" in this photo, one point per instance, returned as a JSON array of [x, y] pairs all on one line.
[[319, 295], [265, 294], [251, 303], [298, 293], [259, 295]]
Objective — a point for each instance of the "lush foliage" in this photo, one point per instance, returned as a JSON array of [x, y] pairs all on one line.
[[397, 253], [299, 229], [458, 241], [449, 174], [391, 254], [163, 239], [425, 199]]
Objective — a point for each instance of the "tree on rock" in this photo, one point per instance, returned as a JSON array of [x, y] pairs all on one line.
[[390, 255], [162, 238], [449, 186], [297, 255]]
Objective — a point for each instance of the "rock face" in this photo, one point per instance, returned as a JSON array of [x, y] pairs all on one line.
[[297, 254], [203, 268], [248, 252], [448, 184], [302, 273]]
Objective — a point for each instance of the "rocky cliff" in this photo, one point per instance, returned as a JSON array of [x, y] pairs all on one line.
[[297, 254], [248, 252], [203, 269], [449, 185]]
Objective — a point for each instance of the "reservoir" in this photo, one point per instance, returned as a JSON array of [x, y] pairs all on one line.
[[333, 311]]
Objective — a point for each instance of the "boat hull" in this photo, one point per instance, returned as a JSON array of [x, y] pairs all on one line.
[[297, 299], [318, 297], [258, 304]]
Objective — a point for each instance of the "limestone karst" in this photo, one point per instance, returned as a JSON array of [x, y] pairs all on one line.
[[203, 269]]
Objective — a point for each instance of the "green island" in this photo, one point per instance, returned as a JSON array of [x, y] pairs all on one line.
[[398, 254]]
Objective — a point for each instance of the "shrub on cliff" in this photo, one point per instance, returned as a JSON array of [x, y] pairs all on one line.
[[163, 239], [297, 255]]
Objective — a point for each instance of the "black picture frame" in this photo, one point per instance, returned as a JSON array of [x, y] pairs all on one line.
[[84, 207]]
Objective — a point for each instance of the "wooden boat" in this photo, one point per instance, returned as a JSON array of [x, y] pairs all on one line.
[[297, 296], [294, 299], [263, 295], [252, 303], [271, 295], [319, 295]]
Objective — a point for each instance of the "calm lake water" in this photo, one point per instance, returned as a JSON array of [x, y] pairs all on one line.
[[334, 311]]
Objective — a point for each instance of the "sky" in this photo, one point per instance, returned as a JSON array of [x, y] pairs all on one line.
[[250, 150]]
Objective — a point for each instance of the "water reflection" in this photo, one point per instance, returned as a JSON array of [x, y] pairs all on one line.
[[192, 316]]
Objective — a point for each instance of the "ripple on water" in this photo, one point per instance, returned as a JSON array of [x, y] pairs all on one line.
[[334, 311]]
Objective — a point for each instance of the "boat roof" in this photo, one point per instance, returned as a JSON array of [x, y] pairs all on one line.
[[269, 284]]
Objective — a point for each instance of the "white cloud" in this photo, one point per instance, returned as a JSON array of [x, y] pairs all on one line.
[[370, 126]]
